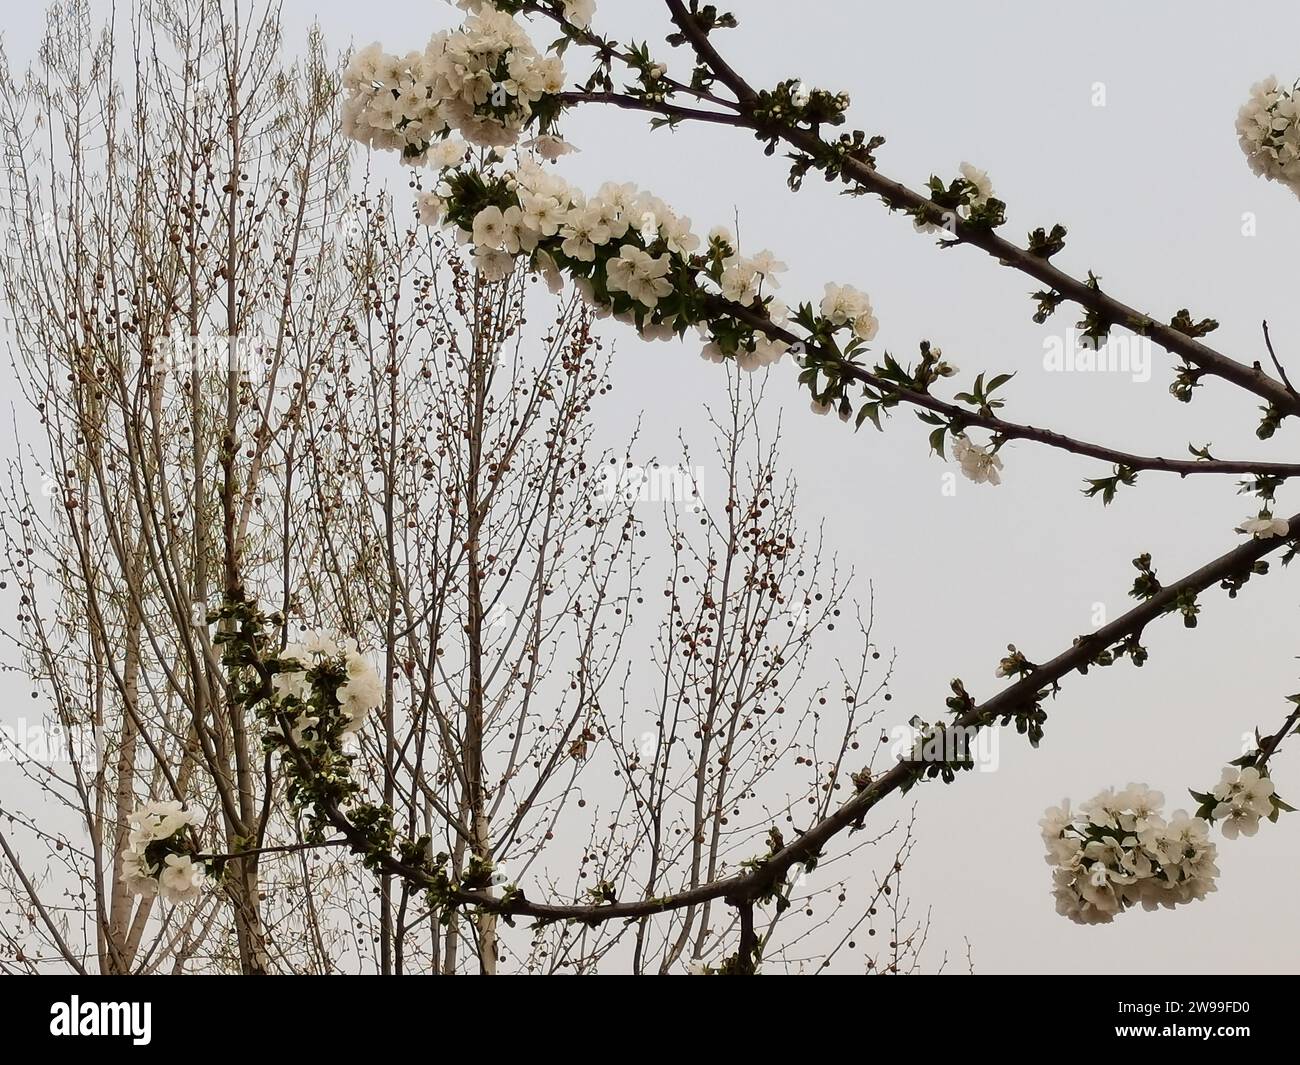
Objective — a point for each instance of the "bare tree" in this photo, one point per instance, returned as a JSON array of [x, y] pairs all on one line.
[[158, 206], [249, 384]]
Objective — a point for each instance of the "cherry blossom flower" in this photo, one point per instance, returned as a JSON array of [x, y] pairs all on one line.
[[549, 271], [739, 281], [639, 274], [550, 147], [844, 304], [181, 878], [1244, 796], [1265, 526], [449, 153], [361, 693], [580, 12], [979, 194], [980, 179], [490, 228], [159, 820], [139, 877], [979, 464]]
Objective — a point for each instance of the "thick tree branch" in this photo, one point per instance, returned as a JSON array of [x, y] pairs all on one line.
[[898, 196], [709, 55], [759, 881], [1008, 429]]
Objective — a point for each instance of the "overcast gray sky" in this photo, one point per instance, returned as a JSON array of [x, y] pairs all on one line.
[[1153, 189]]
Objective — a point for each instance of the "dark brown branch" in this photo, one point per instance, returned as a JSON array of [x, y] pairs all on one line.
[[758, 882], [288, 848], [709, 55], [635, 103], [896, 195], [1251, 378], [1008, 429]]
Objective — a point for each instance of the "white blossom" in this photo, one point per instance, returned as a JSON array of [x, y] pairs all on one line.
[[580, 12], [431, 207], [361, 690], [542, 213], [677, 235], [1056, 819], [983, 192], [490, 228], [980, 179], [517, 235], [181, 878], [550, 272], [845, 304], [138, 876], [979, 464], [550, 147], [298, 731], [742, 279], [584, 231], [448, 153], [739, 281], [722, 235], [361, 693], [1265, 526], [160, 820], [291, 684], [492, 264]]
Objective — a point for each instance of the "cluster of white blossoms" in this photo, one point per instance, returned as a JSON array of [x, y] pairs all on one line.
[[157, 860], [360, 692], [845, 305], [483, 80], [1244, 796], [1268, 129], [1265, 526], [978, 463], [1118, 851], [743, 279], [628, 252]]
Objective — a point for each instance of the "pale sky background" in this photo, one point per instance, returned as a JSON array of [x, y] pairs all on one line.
[[1153, 189]]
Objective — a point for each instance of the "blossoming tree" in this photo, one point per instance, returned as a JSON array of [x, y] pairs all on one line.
[[633, 257], [414, 652]]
